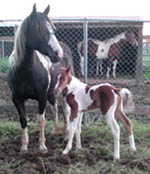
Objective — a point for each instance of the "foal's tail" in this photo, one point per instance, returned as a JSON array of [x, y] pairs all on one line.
[[128, 104]]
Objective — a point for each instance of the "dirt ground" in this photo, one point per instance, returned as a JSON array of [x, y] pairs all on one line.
[[141, 95], [33, 162]]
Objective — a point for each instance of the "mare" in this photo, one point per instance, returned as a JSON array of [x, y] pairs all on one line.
[[108, 49], [35, 46], [111, 101]]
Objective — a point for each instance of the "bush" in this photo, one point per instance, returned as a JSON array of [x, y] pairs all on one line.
[[4, 65]]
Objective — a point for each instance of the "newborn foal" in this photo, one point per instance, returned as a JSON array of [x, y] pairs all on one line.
[[82, 98]]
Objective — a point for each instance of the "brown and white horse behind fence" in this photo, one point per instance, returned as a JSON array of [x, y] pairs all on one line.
[[82, 98], [107, 49]]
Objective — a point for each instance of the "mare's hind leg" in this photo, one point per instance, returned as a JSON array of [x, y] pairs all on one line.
[[53, 100], [42, 106], [21, 110], [127, 125], [66, 115], [114, 68]]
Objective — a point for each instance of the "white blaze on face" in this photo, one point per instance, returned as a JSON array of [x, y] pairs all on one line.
[[53, 42]]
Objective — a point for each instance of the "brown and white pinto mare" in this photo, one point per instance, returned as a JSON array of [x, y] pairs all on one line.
[[82, 98], [107, 49]]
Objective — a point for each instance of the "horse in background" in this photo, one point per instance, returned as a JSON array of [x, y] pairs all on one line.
[[35, 48], [108, 49], [111, 101]]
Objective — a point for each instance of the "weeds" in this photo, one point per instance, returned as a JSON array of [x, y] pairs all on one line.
[[95, 157]]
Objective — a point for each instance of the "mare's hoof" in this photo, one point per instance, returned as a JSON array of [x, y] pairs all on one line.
[[23, 152], [54, 131], [44, 151]]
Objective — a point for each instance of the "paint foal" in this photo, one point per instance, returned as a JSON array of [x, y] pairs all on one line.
[[82, 98], [107, 49]]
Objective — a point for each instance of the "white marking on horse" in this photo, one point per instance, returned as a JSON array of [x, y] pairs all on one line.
[[25, 140], [107, 98], [46, 64], [53, 41]]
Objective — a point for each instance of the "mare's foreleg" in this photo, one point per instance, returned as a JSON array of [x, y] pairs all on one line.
[[23, 121], [42, 107]]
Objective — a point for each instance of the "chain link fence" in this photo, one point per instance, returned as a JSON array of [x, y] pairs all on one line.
[[95, 44], [106, 34]]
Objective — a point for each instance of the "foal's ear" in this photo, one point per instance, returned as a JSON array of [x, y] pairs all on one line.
[[68, 70], [46, 11]]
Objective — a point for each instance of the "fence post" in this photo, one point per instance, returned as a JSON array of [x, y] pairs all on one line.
[[139, 60], [85, 43]]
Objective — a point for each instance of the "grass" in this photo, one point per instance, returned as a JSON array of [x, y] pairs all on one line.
[[4, 65], [95, 157]]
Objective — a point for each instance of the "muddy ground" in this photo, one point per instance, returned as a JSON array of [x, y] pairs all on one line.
[[141, 95], [34, 162]]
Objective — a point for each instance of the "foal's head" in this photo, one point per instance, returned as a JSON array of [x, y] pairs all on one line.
[[63, 79], [40, 35]]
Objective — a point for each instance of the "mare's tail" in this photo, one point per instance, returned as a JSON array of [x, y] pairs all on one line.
[[128, 104]]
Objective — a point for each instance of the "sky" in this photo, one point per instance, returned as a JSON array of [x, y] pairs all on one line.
[[19, 9]]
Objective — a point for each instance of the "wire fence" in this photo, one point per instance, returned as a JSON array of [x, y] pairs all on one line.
[[107, 36], [96, 44]]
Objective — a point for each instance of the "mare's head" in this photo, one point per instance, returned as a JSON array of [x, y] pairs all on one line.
[[36, 33], [131, 39], [63, 79]]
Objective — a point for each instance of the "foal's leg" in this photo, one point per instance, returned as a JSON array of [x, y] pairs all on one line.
[[112, 123], [127, 125], [66, 114], [78, 132], [72, 129], [21, 110], [42, 106]]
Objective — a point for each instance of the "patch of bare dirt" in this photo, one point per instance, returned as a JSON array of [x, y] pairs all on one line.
[[141, 94]]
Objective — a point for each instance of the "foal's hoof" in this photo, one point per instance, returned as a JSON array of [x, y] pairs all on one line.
[[116, 160]]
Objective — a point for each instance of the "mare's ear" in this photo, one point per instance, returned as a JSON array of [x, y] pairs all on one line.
[[68, 70], [46, 11], [34, 10]]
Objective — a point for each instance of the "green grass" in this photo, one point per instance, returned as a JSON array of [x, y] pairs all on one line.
[[4, 65], [146, 66], [95, 157]]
